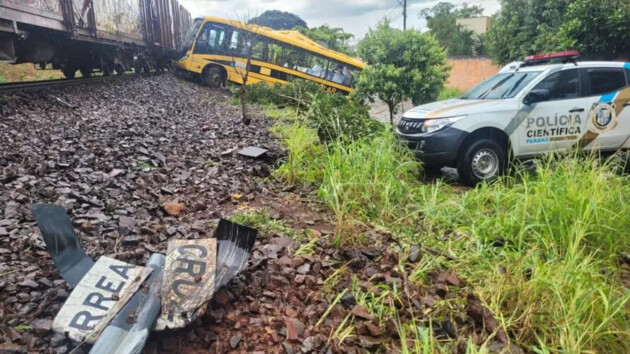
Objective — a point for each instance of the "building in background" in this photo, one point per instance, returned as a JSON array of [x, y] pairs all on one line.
[[479, 25]]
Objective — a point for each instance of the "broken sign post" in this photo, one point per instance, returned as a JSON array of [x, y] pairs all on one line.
[[102, 292], [186, 288], [188, 282], [62, 242], [129, 330], [107, 291]]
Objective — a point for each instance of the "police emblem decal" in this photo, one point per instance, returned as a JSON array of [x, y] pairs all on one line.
[[602, 117]]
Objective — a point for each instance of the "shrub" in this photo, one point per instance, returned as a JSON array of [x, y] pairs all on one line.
[[448, 93], [262, 93], [297, 93], [335, 117]]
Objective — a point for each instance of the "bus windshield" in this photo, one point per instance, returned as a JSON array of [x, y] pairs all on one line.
[[500, 86], [187, 41]]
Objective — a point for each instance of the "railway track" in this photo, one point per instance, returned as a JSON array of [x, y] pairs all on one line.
[[12, 87]]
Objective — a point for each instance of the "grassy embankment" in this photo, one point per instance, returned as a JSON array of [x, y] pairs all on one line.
[[26, 72], [541, 251]]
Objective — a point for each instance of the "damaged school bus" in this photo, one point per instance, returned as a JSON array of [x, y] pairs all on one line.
[[216, 49]]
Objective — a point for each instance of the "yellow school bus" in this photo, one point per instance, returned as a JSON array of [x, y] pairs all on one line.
[[216, 49]]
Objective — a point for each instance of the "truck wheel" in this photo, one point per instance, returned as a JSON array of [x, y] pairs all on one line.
[[483, 160], [213, 77]]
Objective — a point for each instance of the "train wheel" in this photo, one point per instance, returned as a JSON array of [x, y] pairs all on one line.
[[107, 68], [120, 69], [69, 72], [86, 72], [213, 77]]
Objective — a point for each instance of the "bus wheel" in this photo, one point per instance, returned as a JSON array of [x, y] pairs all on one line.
[[483, 160], [213, 77]]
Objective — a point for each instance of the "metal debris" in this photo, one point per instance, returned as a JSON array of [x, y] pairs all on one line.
[[253, 152], [193, 275], [235, 243], [62, 242], [122, 337], [91, 305], [188, 282], [185, 281]]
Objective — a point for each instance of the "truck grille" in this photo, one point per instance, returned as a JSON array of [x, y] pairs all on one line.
[[410, 126]]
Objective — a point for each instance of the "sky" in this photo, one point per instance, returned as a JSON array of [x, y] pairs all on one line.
[[354, 16]]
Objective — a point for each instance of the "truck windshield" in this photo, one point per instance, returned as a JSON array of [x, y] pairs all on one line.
[[500, 86]]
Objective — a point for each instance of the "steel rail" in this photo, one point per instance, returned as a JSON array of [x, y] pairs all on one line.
[[12, 87]]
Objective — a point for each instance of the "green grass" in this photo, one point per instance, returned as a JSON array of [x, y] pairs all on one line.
[[302, 147], [264, 223], [367, 179], [554, 284], [23, 327], [288, 114], [447, 93]]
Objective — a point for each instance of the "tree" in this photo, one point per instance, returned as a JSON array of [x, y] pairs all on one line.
[[401, 65], [333, 38], [524, 27], [278, 20], [247, 39], [442, 22], [598, 29]]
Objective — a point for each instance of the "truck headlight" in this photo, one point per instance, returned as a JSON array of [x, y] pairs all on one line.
[[433, 125]]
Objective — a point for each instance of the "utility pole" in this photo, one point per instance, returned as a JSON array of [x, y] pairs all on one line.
[[404, 5], [404, 15]]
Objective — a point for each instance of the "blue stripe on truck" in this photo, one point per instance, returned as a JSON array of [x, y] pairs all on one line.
[[609, 97]]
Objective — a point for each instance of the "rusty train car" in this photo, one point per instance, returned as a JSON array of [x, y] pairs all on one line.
[[111, 36]]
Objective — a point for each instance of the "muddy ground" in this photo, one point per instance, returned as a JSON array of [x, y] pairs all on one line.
[[113, 153]]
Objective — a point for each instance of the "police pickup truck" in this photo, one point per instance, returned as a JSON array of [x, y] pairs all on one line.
[[528, 108]]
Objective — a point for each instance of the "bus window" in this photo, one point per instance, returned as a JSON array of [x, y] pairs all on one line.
[[234, 41], [335, 74], [211, 39], [260, 50]]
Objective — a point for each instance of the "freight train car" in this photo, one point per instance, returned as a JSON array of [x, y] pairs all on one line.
[[110, 36]]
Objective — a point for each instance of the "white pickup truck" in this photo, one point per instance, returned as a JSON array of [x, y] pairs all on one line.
[[528, 108]]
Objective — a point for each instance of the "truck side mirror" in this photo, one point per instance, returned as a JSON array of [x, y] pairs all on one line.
[[535, 96]]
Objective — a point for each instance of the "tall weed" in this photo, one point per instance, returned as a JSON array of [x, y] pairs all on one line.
[[335, 117], [542, 251], [303, 149], [366, 179]]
